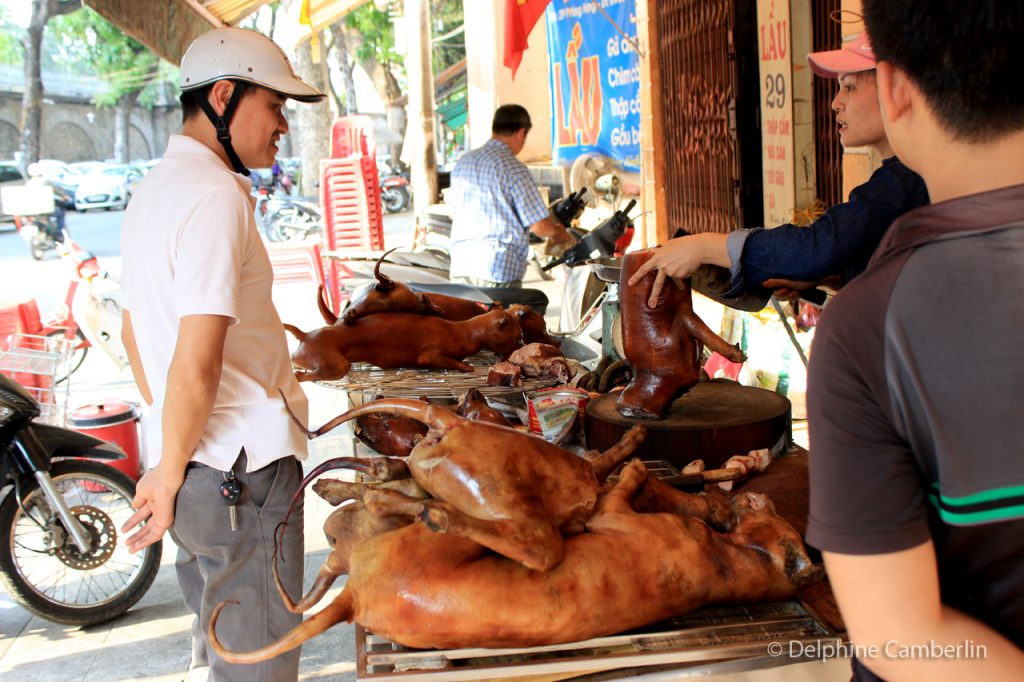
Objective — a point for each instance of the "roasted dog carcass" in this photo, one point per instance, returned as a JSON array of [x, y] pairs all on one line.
[[401, 340], [507, 490], [371, 512], [428, 590], [662, 344], [389, 296]]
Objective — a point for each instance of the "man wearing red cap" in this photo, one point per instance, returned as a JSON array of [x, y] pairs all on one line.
[[838, 245]]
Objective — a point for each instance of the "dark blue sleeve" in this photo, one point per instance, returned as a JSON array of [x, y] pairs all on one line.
[[842, 240]]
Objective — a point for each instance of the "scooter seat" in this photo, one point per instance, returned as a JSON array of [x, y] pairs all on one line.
[[535, 298], [465, 291]]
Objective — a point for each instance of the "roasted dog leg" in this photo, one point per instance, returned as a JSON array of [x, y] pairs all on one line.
[[346, 527], [335, 492]]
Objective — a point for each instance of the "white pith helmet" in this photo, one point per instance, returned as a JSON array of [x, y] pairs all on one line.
[[244, 55]]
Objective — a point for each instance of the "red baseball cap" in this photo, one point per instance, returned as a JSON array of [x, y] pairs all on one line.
[[856, 55]]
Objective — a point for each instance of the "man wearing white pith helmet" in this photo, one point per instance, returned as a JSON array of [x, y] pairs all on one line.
[[210, 358]]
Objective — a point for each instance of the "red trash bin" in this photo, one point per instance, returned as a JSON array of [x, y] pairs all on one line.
[[116, 422]]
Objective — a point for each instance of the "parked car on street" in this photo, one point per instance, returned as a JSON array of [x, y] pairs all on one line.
[[86, 167], [108, 187]]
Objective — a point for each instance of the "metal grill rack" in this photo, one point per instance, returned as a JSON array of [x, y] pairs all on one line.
[[365, 382], [697, 644], [37, 363]]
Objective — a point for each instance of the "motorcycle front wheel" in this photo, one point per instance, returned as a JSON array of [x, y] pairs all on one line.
[[79, 349], [43, 569], [39, 245], [394, 199], [291, 224]]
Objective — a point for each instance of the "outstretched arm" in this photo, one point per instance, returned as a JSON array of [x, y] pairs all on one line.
[[680, 257]]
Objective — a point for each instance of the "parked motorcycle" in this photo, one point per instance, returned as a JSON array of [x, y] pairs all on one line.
[[287, 218], [60, 516], [38, 210], [90, 316], [42, 232], [589, 322], [395, 192]]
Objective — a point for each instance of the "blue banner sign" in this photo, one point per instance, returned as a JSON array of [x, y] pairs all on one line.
[[595, 80]]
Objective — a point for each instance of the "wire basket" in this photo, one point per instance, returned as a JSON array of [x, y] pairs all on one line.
[[36, 362]]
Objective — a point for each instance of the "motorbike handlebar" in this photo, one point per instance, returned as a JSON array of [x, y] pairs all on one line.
[[600, 241]]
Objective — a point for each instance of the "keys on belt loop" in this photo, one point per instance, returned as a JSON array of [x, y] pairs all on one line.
[[230, 492]]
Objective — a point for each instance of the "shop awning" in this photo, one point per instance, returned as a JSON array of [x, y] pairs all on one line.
[[168, 26], [453, 113]]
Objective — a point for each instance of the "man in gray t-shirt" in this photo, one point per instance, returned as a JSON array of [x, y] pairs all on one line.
[[915, 390]]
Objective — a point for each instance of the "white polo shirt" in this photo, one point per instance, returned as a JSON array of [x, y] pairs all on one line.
[[190, 246]]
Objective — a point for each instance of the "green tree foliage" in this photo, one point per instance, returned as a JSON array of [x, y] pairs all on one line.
[[128, 67], [10, 40], [447, 16], [378, 36]]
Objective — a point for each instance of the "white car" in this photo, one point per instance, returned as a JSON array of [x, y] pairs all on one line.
[[108, 187]]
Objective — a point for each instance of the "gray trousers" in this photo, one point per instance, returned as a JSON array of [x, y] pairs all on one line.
[[215, 564]]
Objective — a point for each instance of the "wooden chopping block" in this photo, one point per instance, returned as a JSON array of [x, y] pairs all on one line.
[[713, 421]]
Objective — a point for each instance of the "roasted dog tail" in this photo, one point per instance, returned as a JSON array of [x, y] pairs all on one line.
[[329, 317], [340, 610], [384, 283], [295, 331]]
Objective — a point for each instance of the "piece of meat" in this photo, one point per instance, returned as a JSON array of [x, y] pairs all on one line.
[[505, 374], [754, 461], [662, 344], [389, 435], [696, 466], [542, 360], [629, 569], [474, 406]]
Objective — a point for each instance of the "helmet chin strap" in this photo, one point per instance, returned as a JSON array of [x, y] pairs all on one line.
[[221, 123]]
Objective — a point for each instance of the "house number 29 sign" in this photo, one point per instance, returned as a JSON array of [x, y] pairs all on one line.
[[777, 148]]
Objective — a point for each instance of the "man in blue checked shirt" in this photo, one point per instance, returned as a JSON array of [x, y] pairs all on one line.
[[495, 205]]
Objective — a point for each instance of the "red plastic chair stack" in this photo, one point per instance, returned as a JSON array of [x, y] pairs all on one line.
[[18, 317], [350, 197]]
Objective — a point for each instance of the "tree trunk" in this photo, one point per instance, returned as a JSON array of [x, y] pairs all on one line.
[[347, 64], [32, 99], [122, 125], [418, 65], [313, 120], [384, 81]]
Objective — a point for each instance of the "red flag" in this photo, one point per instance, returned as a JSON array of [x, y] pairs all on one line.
[[520, 17]]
